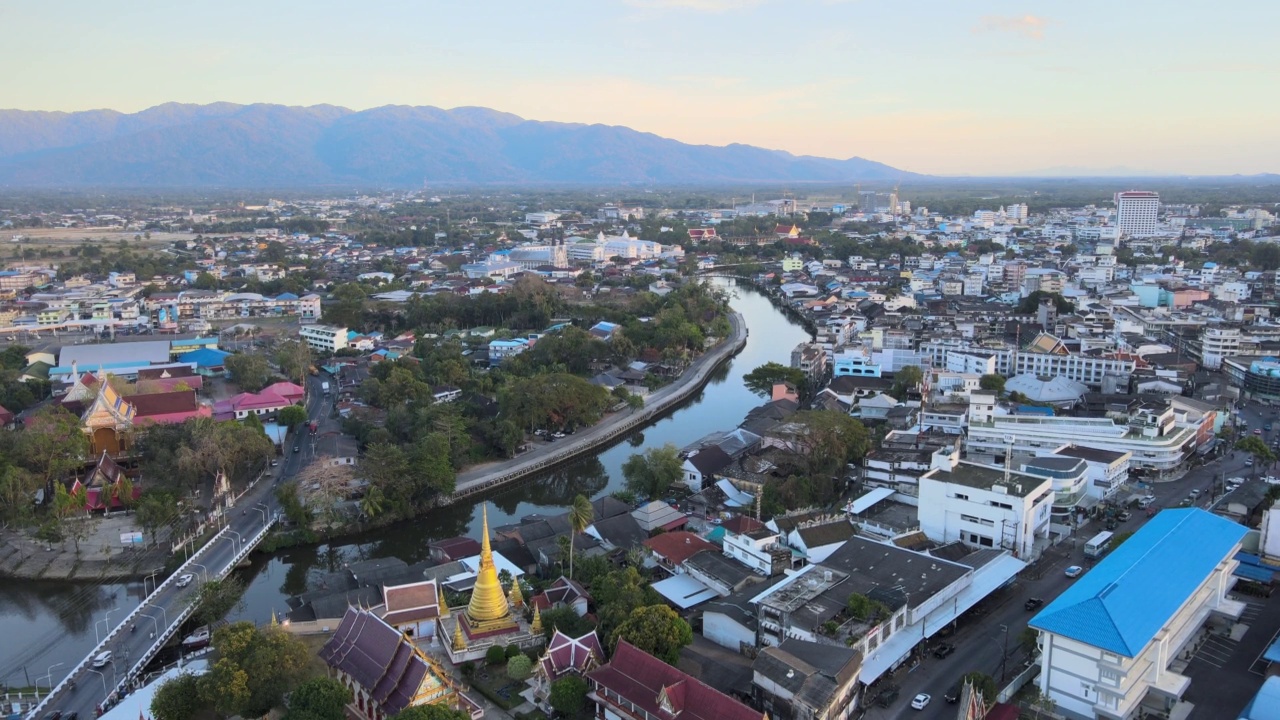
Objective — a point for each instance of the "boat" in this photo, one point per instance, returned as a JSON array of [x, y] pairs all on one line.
[[198, 639]]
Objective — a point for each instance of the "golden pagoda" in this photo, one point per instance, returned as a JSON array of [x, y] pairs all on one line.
[[536, 627], [488, 612], [514, 596]]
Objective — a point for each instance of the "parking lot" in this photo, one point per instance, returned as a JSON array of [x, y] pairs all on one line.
[[1226, 671]]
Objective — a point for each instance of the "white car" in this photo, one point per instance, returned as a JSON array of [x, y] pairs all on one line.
[[102, 658], [920, 701], [185, 579], [1074, 571]]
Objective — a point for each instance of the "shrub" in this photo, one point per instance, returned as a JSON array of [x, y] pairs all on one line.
[[513, 650], [519, 667], [495, 655]]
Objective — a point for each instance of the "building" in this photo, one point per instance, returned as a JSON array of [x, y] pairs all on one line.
[[854, 362], [413, 608], [638, 686], [563, 657], [1137, 213], [1109, 643], [386, 672], [1108, 470], [987, 507], [801, 680], [810, 359], [757, 547], [500, 350], [324, 338]]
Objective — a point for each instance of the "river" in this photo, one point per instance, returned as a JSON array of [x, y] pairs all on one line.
[[43, 623]]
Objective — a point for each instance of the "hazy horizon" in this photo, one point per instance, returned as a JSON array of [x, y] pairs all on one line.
[[997, 89]]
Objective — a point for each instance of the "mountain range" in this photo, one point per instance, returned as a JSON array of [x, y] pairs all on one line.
[[230, 145]]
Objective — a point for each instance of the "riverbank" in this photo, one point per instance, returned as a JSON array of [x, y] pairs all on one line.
[[770, 292]]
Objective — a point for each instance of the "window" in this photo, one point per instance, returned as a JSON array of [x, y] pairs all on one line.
[[960, 496]]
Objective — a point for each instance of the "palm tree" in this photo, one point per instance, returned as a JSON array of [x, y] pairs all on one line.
[[371, 503], [580, 516]]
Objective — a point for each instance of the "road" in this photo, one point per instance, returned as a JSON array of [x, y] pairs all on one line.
[[979, 638], [127, 642]]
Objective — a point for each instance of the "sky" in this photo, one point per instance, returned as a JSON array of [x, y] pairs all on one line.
[[956, 87]]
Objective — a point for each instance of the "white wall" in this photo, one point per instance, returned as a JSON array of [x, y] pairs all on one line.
[[725, 631]]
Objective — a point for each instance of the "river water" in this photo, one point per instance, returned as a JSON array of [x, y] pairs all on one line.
[[43, 623]]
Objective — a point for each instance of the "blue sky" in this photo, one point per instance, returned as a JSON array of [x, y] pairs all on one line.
[[941, 86]]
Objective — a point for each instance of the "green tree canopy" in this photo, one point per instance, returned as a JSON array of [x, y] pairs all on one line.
[[657, 630], [992, 382], [319, 698], [216, 598], [1256, 447], [431, 712], [568, 695], [905, 379], [178, 699], [761, 380], [519, 667], [249, 370], [652, 472], [294, 358], [291, 416], [254, 669]]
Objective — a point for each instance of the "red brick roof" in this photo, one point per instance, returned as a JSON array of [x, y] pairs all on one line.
[[678, 546], [660, 690], [565, 654], [742, 524]]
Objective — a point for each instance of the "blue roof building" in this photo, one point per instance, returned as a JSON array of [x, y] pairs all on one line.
[[1266, 704], [1108, 642]]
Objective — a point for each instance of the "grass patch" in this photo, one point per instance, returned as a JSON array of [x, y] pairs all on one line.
[[492, 682]]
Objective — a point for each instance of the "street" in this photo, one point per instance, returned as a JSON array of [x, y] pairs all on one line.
[[980, 641], [87, 686]]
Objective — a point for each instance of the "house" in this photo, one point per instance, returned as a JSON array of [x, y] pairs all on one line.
[[604, 330], [702, 465], [617, 532], [455, 548], [658, 514], [385, 671], [445, 393], [983, 507], [563, 593], [672, 549], [757, 547], [291, 392], [243, 405], [637, 686], [1109, 643], [719, 573], [801, 680], [816, 541]]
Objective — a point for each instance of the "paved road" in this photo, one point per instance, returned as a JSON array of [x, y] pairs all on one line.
[[93, 684], [980, 640]]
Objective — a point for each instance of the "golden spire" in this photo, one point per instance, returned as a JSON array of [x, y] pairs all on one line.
[[536, 627], [488, 609], [515, 597], [459, 642], [443, 601], [274, 621]]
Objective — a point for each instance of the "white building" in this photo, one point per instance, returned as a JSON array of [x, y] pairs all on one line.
[[1137, 213], [1108, 470], [324, 338], [1217, 344], [1109, 644], [760, 549], [985, 507]]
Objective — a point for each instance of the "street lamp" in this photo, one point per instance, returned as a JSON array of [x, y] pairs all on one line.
[[238, 539], [261, 509], [48, 677], [162, 611], [1004, 655], [104, 679], [106, 624], [205, 569], [153, 580]]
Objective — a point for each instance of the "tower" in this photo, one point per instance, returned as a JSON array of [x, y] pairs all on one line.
[[488, 610]]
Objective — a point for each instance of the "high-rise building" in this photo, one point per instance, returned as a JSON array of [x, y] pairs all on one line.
[[1137, 212]]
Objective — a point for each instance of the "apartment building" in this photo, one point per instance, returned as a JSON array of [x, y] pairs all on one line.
[[324, 338], [810, 359], [854, 362], [987, 507], [1153, 438], [1137, 213], [1107, 470], [1090, 370], [1109, 644]]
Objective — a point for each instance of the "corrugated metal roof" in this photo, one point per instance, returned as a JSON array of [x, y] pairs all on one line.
[[1122, 603]]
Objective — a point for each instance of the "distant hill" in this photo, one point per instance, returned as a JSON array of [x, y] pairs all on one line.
[[228, 145]]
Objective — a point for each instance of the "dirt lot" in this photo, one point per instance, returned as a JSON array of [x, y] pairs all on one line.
[[55, 238]]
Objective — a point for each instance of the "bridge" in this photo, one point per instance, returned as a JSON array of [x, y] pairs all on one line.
[[145, 629]]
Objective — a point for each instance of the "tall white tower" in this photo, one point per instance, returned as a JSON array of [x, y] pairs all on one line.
[[1137, 212]]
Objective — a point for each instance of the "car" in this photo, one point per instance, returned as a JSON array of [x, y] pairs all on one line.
[[920, 701], [1257, 432], [297, 448], [1124, 515], [1267, 427], [185, 579], [1074, 571], [1193, 494], [1248, 463], [102, 659], [558, 435], [953, 695], [275, 463], [1145, 501], [943, 650], [1033, 603]]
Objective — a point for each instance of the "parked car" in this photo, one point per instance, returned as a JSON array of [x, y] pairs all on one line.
[[953, 695], [297, 448], [1145, 501], [1193, 494], [1074, 571], [1124, 515], [185, 579], [102, 659], [887, 696], [1033, 603], [920, 701], [943, 650]]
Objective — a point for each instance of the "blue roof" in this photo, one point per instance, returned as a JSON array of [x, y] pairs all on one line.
[[286, 296], [1266, 704], [193, 341], [1035, 410], [1122, 603], [204, 357], [1272, 653], [1255, 573]]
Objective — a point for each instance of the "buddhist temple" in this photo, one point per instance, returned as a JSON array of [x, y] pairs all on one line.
[[488, 618]]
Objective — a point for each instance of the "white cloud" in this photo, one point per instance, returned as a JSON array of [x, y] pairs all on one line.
[[1031, 27]]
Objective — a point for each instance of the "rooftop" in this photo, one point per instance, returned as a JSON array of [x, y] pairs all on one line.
[[1122, 603], [989, 478]]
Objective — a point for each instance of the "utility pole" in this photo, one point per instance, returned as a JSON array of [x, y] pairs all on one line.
[[1004, 656]]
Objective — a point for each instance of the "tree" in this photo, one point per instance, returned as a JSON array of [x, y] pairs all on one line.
[[992, 382], [371, 502], [216, 598], [178, 699], [657, 630], [581, 514], [431, 712], [1031, 303], [519, 667], [984, 684], [255, 668], [568, 695], [291, 416], [155, 509], [761, 380], [826, 441], [495, 654], [652, 472], [1029, 639], [249, 370], [864, 608], [1256, 447], [566, 620], [905, 380], [52, 444], [319, 698], [294, 358]]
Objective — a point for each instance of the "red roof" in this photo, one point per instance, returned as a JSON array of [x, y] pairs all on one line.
[[660, 690], [6, 417], [677, 546], [564, 653], [173, 406], [742, 524]]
